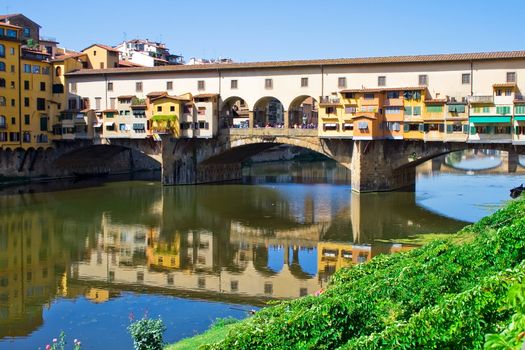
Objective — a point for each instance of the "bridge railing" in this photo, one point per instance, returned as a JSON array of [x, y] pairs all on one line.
[[269, 132]]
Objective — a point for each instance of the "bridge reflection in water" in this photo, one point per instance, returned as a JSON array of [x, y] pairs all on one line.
[[243, 244]]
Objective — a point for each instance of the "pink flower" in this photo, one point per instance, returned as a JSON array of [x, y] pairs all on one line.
[[48, 347], [75, 341], [55, 340]]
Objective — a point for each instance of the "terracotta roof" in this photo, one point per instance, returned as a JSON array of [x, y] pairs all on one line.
[[436, 101], [178, 98], [157, 93], [142, 106], [360, 90], [205, 95], [9, 25], [459, 57], [6, 17], [520, 102], [87, 110], [65, 56], [504, 85], [110, 111], [105, 47], [125, 97], [128, 64]]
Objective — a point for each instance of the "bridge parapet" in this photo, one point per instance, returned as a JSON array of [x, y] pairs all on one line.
[[269, 132]]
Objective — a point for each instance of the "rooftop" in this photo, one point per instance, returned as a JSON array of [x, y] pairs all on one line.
[[459, 57]]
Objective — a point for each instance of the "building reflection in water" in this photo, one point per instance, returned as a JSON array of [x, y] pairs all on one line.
[[244, 244]]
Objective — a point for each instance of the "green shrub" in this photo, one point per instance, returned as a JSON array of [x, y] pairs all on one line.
[[444, 295], [147, 334]]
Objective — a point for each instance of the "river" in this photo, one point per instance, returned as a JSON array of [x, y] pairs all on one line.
[[85, 257]]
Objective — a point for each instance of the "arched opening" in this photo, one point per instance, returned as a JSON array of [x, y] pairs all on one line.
[[3, 123], [2, 82], [303, 113], [268, 112], [2, 50], [234, 113], [2, 67]]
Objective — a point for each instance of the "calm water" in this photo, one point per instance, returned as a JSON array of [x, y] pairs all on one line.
[[83, 259]]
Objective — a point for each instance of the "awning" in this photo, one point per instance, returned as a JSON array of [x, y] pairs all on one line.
[[490, 119], [333, 125], [519, 118], [110, 123]]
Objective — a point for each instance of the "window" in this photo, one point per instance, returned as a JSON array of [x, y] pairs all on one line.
[[159, 108], [434, 109], [392, 94], [508, 92], [518, 109], [58, 88], [341, 82], [268, 83], [11, 33], [3, 122], [138, 86], [392, 110], [169, 85], [26, 119], [13, 69], [511, 77], [27, 32], [2, 67], [423, 79], [36, 69], [122, 127], [58, 71], [110, 86], [40, 104], [304, 82], [26, 101], [201, 110], [268, 288], [201, 85], [26, 85], [172, 108], [234, 84], [349, 95], [203, 125], [498, 92], [2, 50], [408, 111], [381, 80], [45, 70], [12, 84], [362, 125], [97, 102], [101, 65], [42, 86], [2, 82], [13, 120], [13, 102], [503, 110], [3, 101], [43, 123], [234, 286], [201, 282], [94, 52], [416, 110], [350, 110], [369, 96], [12, 51], [465, 78]]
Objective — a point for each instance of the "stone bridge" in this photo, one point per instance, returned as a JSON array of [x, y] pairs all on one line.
[[375, 165]]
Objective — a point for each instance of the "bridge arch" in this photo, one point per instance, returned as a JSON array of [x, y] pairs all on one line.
[[268, 112], [303, 112], [234, 113]]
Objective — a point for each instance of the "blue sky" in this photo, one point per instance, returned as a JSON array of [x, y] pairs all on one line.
[[258, 30]]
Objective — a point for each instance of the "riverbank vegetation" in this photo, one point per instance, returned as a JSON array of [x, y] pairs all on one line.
[[449, 294]]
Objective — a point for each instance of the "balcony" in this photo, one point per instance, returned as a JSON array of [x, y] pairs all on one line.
[[481, 99], [330, 100]]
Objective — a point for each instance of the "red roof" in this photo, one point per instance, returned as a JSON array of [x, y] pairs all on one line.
[[105, 47]]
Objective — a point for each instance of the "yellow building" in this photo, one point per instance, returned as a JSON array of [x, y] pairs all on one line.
[[332, 117], [101, 56], [9, 86], [166, 112]]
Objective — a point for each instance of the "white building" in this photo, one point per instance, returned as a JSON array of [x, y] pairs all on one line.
[[147, 53]]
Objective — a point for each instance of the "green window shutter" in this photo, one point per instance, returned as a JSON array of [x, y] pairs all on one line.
[[406, 127], [516, 131], [465, 128], [417, 110], [499, 110], [520, 109], [507, 110], [486, 109], [452, 108], [490, 129], [434, 109], [473, 130], [408, 110], [449, 128], [460, 108], [476, 109]]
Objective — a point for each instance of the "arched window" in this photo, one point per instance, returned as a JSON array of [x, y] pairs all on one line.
[[2, 82], [2, 67], [58, 71], [2, 121], [2, 50], [2, 101]]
